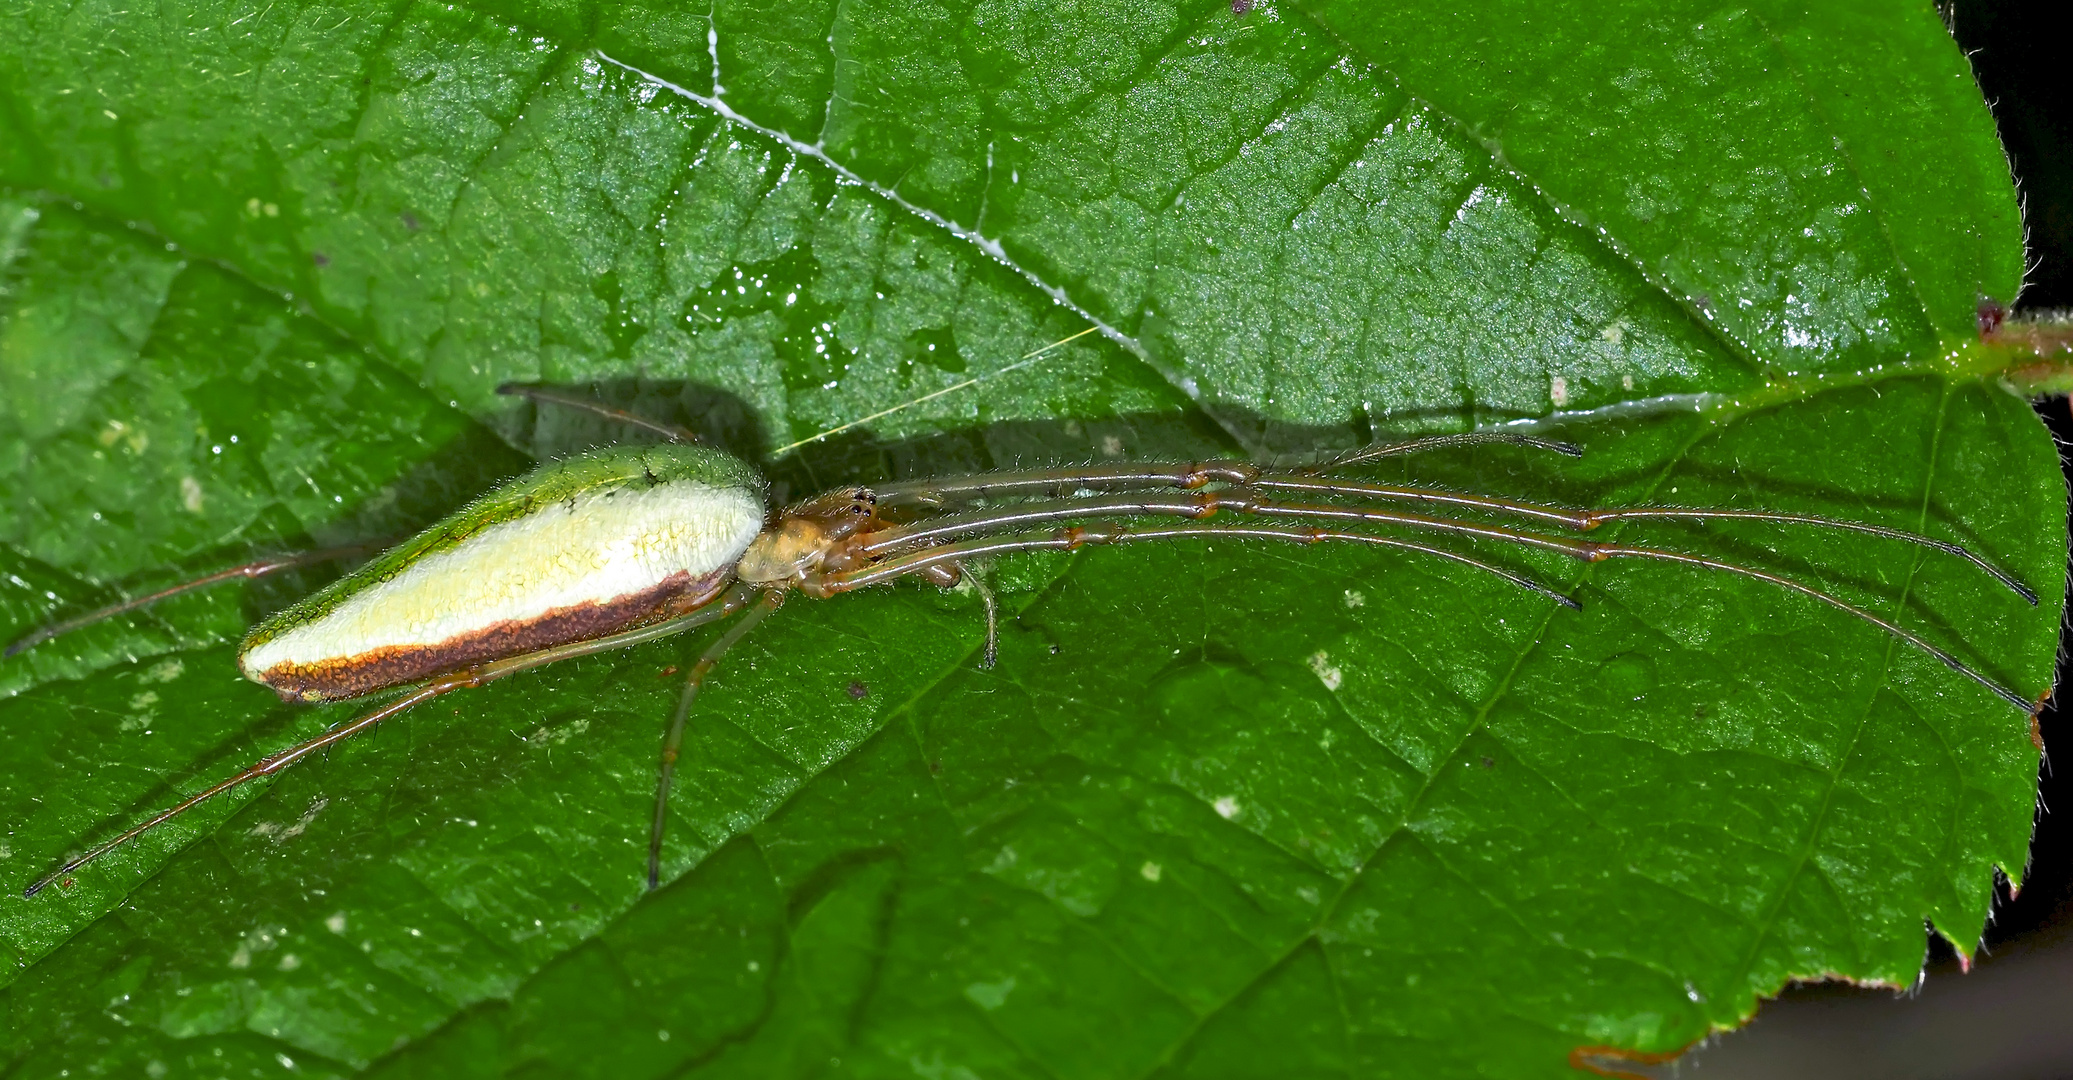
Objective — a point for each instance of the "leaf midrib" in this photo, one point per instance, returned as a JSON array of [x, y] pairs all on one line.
[[1768, 921]]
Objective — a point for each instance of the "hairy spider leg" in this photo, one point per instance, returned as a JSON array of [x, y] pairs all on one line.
[[256, 569], [1628, 551], [1377, 451], [551, 396], [1202, 504], [1582, 550], [822, 584], [1194, 475], [730, 602], [1198, 504], [673, 742], [1677, 513], [1189, 475], [1586, 520], [1017, 483], [1245, 500], [991, 655]]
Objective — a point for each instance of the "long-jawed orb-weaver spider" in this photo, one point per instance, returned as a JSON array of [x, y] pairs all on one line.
[[624, 545]]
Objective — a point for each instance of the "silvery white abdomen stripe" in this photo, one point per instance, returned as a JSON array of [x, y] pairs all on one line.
[[590, 549]]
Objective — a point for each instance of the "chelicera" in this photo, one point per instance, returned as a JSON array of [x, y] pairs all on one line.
[[626, 545]]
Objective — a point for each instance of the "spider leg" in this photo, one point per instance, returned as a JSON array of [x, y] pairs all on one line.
[[1595, 518], [1620, 551], [946, 576], [265, 766], [1190, 475], [1196, 504], [673, 743], [1243, 498], [896, 565], [555, 397], [824, 584], [993, 620], [729, 602], [1586, 520], [1365, 454], [1026, 483], [1407, 493], [1083, 483], [256, 569]]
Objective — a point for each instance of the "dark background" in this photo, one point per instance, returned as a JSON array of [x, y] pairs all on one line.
[[2011, 1018], [2018, 51]]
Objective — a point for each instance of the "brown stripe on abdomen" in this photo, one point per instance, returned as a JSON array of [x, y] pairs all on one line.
[[397, 665]]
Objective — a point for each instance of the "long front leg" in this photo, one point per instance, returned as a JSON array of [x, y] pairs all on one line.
[[1256, 498], [1084, 486], [822, 584], [1377, 451], [917, 561]]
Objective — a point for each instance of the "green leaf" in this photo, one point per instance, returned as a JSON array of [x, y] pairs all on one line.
[[1221, 809]]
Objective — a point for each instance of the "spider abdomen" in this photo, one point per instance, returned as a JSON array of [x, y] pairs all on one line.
[[574, 550]]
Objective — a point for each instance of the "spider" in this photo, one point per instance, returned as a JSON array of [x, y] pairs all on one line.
[[624, 545]]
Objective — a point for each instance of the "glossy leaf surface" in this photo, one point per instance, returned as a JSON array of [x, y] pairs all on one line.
[[1221, 809]]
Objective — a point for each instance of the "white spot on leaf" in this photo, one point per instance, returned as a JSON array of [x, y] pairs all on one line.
[[303, 822], [555, 736], [991, 996], [1321, 663], [165, 672]]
